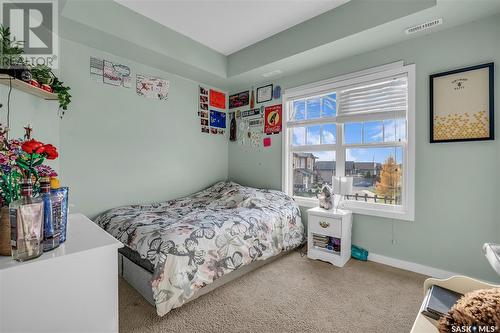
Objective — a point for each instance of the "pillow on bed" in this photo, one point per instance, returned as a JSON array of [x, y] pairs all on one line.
[[479, 308]]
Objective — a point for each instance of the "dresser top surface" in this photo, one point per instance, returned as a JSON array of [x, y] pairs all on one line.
[[82, 235]]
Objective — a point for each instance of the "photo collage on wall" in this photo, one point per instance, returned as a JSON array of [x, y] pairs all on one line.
[[257, 114], [212, 111], [120, 75]]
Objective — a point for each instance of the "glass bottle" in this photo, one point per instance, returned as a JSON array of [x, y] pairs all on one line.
[[26, 222], [232, 130], [59, 199], [51, 227]]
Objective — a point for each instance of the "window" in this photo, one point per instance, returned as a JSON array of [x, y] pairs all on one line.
[[359, 125]]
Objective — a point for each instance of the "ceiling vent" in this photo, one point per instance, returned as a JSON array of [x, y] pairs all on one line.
[[273, 73], [424, 26]]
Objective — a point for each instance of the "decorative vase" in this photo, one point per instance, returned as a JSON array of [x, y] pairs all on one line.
[[5, 248]]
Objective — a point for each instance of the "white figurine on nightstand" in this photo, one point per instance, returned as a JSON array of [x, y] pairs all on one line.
[[329, 235]]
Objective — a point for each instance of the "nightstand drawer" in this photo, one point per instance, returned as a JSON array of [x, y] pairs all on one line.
[[325, 225]]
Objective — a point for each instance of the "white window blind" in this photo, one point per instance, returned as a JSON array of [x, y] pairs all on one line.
[[384, 95]]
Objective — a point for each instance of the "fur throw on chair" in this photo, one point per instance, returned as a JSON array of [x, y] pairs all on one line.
[[477, 308]]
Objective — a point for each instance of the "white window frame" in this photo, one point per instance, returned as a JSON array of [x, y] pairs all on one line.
[[405, 211]]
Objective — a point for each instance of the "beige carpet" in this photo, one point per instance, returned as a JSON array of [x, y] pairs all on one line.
[[291, 294]]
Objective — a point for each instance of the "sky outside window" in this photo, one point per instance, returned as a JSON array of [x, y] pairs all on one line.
[[373, 131], [353, 133], [328, 134], [377, 155], [298, 136], [329, 105], [313, 137], [299, 110], [313, 108]]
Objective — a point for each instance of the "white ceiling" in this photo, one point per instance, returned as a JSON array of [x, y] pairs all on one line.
[[229, 26]]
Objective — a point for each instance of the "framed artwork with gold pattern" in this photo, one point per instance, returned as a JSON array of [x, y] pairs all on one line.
[[461, 104]]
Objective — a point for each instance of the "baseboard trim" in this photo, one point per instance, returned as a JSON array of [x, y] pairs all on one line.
[[411, 266]]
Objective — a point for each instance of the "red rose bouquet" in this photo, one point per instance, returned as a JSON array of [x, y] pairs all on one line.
[[22, 159], [33, 154]]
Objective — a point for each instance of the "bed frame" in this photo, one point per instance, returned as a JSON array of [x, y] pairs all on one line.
[[139, 278]]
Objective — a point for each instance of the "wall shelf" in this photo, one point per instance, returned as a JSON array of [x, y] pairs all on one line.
[[6, 79]]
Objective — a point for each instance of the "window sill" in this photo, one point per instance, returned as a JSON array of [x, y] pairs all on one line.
[[389, 213], [357, 209]]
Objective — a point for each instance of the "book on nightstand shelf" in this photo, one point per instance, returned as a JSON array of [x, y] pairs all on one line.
[[328, 243], [439, 301]]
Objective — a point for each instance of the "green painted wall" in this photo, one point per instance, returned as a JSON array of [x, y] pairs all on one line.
[[457, 185], [120, 148], [28, 109]]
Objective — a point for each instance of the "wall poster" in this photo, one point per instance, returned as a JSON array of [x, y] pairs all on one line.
[[461, 105], [116, 74], [265, 93], [239, 99], [152, 87], [273, 119], [217, 99], [217, 119], [110, 73]]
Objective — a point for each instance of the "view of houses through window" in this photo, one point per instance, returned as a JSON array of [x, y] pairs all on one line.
[[376, 172], [312, 170]]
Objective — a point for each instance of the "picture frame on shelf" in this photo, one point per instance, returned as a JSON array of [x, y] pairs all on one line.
[[265, 93], [462, 104]]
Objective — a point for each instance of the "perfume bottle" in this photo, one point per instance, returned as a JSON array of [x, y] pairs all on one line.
[[26, 222], [59, 198], [51, 226]]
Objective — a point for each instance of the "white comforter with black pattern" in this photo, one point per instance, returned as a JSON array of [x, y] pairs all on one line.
[[195, 240]]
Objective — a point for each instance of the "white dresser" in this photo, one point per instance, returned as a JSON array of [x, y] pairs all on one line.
[[332, 224], [73, 288]]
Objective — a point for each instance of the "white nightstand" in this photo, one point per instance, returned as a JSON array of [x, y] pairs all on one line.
[[329, 235]]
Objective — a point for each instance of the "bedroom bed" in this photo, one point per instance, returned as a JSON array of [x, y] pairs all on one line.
[[178, 250]]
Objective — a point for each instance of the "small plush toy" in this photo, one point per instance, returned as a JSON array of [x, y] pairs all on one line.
[[477, 308], [326, 198]]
